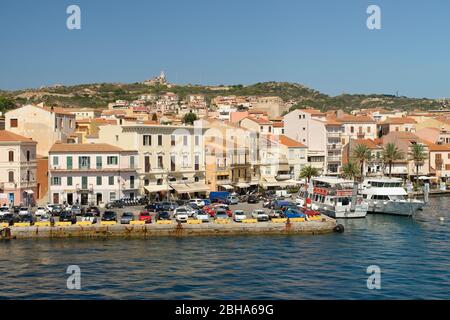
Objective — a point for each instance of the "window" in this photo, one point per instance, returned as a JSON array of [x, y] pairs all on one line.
[[11, 156], [99, 181], [28, 155], [185, 161], [147, 140], [112, 196], [147, 163], [69, 181], [160, 162], [99, 162], [131, 182], [172, 163], [185, 140], [368, 129], [111, 180], [159, 140], [84, 183], [84, 162], [352, 129], [28, 175], [55, 161], [56, 181], [69, 162], [172, 140], [270, 129], [197, 163], [112, 160], [11, 176], [13, 123], [146, 182], [132, 162], [197, 140]]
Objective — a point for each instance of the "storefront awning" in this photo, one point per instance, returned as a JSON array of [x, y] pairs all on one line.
[[271, 179], [181, 188], [242, 185], [198, 187], [157, 188], [227, 186], [29, 191]]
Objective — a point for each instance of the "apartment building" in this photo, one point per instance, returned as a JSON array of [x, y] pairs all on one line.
[[439, 161], [170, 158], [258, 125], [85, 113], [91, 173], [18, 177], [374, 167], [45, 125], [404, 124]]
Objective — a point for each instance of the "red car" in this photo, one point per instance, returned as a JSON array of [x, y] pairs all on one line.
[[209, 211], [311, 213], [223, 207], [145, 216]]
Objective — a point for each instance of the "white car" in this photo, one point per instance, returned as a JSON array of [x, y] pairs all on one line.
[[49, 207], [23, 210], [201, 215], [199, 202], [190, 211], [40, 211], [4, 210], [239, 215], [260, 215], [181, 214]]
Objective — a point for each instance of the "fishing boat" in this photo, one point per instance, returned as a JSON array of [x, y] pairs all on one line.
[[334, 197], [387, 195]]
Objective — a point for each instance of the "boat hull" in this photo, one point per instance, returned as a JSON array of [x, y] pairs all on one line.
[[395, 208]]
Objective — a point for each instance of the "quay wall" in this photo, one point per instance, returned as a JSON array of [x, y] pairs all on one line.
[[326, 225]]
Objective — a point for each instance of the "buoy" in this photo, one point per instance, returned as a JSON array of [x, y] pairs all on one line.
[[339, 228]]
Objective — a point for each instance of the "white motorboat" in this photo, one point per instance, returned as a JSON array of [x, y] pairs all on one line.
[[387, 195], [333, 197]]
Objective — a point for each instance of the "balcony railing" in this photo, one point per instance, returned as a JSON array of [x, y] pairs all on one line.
[[334, 159]]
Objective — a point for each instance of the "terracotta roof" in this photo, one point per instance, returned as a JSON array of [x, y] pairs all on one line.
[[78, 147], [278, 124], [259, 121], [57, 110], [401, 120], [288, 142], [436, 147], [332, 121], [8, 136], [355, 119], [371, 144], [311, 111]]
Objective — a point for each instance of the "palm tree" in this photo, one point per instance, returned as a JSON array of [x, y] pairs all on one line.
[[390, 154], [308, 172], [362, 153], [350, 170], [418, 155]]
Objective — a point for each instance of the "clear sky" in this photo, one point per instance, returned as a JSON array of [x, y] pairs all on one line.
[[323, 44]]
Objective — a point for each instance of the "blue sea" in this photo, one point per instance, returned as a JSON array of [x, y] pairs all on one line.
[[413, 255]]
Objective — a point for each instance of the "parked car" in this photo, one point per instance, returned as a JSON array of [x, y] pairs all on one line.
[[222, 206], [40, 211], [49, 207], [201, 215], [126, 218], [233, 200], [114, 204], [206, 202], [151, 207], [221, 214], [239, 215], [252, 199], [76, 210], [24, 210], [145, 216], [28, 217], [94, 210], [189, 210], [170, 205], [89, 216], [46, 217], [181, 214], [293, 213], [57, 210], [16, 209], [208, 210], [216, 196], [7, 218], [68, 216], [4, 210], [181, 202], [109, 216], [275, 213], [198, 202], [163, 215], [260, 215]]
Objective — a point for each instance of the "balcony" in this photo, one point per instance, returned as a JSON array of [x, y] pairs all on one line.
[[283, 176], [334, 134], [223, 181], [334, 159], [334, 146]]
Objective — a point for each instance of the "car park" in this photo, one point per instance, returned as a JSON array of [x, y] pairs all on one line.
[[260, 215], [181, 215], [221, 215], [109, 216], [126, 218], [162, 215], [24, 210], [145, 216], [239, 215], [68, 216], [201, 215]]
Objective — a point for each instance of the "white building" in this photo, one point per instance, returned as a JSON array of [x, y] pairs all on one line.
[[91, 173]]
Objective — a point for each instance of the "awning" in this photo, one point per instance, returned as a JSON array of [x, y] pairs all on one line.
[[271, 179], [198, 187], [227, 186], [242, 185], [157, 188], [181, 188], [29, 191]]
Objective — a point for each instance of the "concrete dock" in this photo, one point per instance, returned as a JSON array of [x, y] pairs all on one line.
[[324, 225]]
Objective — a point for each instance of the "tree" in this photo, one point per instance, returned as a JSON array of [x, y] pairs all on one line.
[[189, 118], [6, 104], [154, 117], [308, 172], [362, 153], [350, 170], [418, 155], [390, 154]]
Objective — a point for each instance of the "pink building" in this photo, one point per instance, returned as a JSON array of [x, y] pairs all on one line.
[[18, 178]]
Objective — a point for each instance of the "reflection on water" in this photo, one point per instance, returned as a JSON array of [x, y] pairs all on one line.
[[413, 254]]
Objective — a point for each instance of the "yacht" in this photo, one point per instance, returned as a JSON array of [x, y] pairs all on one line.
[[334, 197], [387, 195]]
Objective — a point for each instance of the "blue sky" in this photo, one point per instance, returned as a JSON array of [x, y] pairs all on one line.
[[323, 44]]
